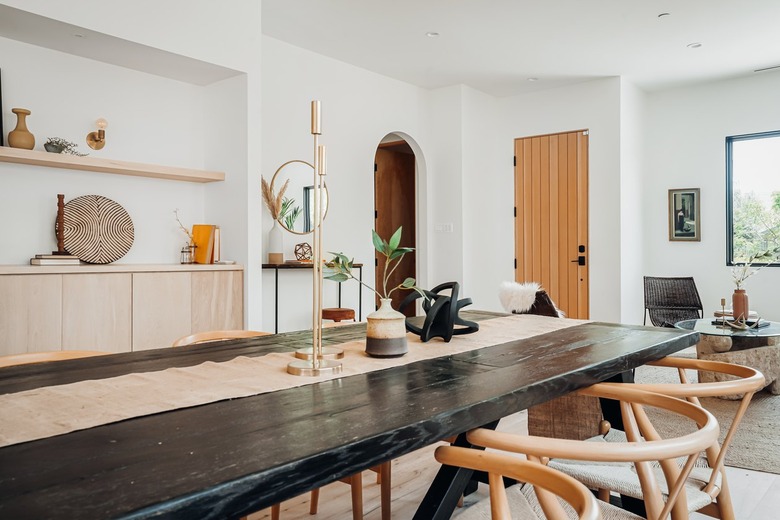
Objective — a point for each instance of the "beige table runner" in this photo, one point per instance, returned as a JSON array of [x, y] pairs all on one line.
[[55, 410]]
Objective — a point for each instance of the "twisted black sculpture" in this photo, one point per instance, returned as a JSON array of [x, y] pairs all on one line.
[[441, 314]]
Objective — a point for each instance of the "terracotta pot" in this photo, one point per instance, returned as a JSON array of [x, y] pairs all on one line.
[[386, 332], [20, 137], [739, 304]]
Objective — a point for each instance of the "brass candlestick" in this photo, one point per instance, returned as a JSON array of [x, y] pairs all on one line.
[[723, 312], [317, 364]]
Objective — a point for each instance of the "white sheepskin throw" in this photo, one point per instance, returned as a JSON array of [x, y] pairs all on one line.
[[517, 297]]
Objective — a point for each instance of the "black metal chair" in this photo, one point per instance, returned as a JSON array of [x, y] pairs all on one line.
[[669, 300]]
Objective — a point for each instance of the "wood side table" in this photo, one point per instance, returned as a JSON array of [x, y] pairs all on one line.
[[308, 265]]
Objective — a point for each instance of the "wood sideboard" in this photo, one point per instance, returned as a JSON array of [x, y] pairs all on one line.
[[115, 308]]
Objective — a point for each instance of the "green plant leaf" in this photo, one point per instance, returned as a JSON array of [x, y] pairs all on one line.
[[337, 277], [395, 240], [379, 244], [401, 251], [408, 283], [421, 292]]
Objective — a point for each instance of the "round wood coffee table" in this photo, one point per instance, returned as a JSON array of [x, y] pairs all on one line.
[[757, 348]]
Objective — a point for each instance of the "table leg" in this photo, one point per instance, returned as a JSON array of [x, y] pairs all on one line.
[[276, 300], [448, 486]]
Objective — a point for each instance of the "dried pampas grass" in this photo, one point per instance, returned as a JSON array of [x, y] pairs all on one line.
[[273, 202]]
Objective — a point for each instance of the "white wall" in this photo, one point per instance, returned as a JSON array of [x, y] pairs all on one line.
[[358, 109], [485, 174], [595, 106], [686, 134], [632, 172], [446, 169]]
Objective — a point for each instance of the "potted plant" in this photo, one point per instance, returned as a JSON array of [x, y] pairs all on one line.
[[275, 204], [386, 331]]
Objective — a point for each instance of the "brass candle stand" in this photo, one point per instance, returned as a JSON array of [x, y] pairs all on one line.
[[317, 361]]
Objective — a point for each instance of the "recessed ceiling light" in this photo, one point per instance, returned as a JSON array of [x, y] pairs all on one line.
[[533, 79], [694, 45], [432, 34], [664, 14]]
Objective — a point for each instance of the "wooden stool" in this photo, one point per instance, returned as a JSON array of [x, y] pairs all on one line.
[[338, 313]]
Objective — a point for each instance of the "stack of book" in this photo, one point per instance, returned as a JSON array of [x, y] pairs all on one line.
[[54, 260], [207, 240]]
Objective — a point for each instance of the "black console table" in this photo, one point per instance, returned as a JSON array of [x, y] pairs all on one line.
[[286, 266]]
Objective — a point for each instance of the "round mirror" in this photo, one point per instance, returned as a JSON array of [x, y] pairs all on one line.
[[297, 215]]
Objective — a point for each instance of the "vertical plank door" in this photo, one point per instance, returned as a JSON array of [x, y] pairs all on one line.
[[551, 217]]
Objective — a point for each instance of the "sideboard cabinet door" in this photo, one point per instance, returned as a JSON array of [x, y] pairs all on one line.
[[161, 309], [30, 313], [96, 312], [217, 301]]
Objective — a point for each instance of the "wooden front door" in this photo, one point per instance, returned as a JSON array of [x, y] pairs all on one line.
[[551, 217], [394, 205]]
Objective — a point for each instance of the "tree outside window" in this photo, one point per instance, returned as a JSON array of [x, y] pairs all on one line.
[[753, 195]]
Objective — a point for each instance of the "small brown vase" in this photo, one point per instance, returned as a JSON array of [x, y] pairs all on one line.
[[20, 137], [739, 304]]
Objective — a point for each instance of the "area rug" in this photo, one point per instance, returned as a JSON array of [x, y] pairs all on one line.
[[756, 445]]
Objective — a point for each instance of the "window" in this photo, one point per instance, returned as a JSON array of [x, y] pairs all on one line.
[[752, 195]]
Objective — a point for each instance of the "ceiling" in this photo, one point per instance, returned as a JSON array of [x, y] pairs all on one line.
[[500, 46]]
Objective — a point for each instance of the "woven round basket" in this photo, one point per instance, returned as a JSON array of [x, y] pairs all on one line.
[[96, 229]]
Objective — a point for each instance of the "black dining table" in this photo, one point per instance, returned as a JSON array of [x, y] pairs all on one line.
[[231, 458]]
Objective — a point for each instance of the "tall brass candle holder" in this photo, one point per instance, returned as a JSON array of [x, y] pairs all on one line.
[[317, 361]]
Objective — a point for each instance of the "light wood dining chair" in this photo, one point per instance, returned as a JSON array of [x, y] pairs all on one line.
[[355, 481], [661, 466], [44, 357], [709, 477], [217, 335], [531, 497]]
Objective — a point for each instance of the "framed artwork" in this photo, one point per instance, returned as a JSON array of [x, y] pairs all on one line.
[[684, 215]]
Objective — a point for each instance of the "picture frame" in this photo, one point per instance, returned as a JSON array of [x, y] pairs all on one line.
[[685, 215]]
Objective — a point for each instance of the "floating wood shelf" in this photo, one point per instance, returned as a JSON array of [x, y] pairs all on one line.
[[95, 164]]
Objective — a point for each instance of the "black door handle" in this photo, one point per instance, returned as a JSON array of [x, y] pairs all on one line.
[[580, 260]]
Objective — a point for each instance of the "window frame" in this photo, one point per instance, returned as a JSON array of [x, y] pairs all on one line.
[[730, 193]]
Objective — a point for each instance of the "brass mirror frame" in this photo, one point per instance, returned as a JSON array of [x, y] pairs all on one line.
[[327, 196]]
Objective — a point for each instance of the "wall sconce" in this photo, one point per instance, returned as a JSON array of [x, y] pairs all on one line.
[[97, 140]]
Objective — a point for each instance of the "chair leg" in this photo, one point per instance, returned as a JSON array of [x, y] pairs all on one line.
[[385, 489], [356, 483], [723, 500], [315, 500], [276, 510]]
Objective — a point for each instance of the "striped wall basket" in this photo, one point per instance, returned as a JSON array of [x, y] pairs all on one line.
[[96, 229]]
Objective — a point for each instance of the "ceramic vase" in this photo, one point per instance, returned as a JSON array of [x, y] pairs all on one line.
[[386, 331], [275, 245], [20, 137], [739, 304]]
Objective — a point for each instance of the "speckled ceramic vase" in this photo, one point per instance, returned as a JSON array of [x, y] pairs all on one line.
[[20, 137], [386, 332]]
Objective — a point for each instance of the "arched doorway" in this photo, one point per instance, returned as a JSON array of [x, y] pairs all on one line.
[[395, 206]]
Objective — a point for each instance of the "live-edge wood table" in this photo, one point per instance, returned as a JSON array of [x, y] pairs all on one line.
[[230, 458]]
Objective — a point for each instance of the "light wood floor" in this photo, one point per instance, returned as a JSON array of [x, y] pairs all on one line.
[[756, 495]]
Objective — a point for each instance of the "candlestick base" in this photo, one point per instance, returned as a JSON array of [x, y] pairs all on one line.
[[327, 353], [305, 368]]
